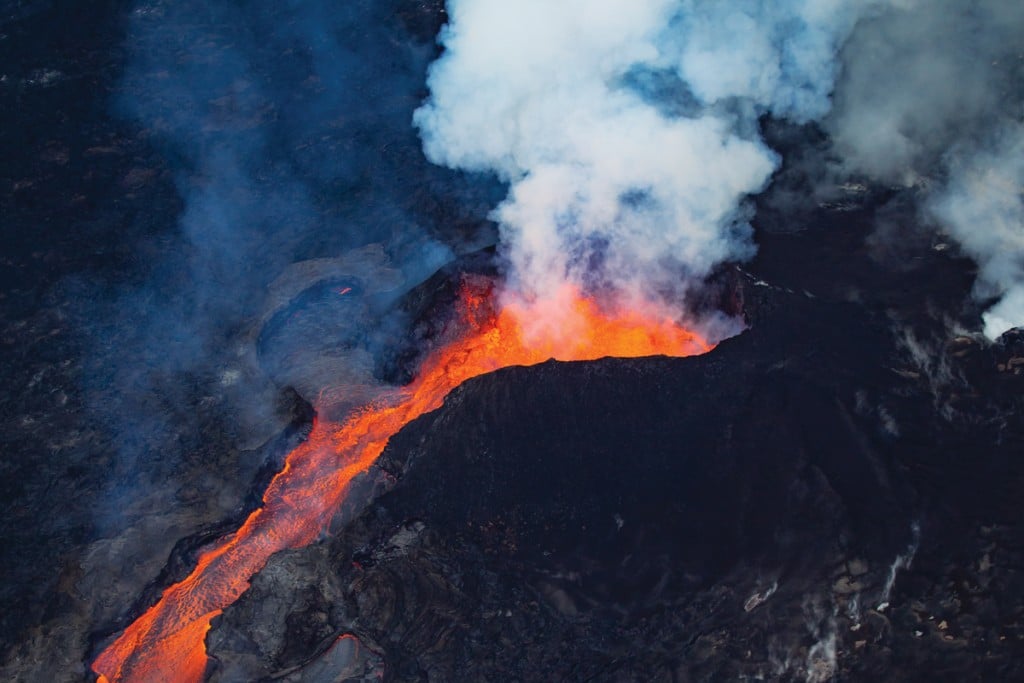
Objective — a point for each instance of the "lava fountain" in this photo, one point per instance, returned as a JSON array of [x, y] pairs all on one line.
[[166, 643]]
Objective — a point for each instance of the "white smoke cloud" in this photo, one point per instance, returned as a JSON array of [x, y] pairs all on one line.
[[921, 78], [820, 619], [628, 130], [779, 55], [609, 188]]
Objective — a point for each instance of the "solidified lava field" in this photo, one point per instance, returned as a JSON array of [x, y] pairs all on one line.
[[221, 233]]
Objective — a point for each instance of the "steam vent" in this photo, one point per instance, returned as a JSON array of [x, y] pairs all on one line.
[[472, 340]]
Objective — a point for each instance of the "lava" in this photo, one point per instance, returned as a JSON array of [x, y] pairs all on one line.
[[166, 643]]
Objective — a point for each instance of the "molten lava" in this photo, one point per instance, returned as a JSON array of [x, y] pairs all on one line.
[[166, 643]]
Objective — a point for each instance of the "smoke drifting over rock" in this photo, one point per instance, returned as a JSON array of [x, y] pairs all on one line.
[[982, 206], [629, 132], [931, 96]]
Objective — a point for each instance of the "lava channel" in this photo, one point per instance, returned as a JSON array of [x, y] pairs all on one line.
[[166, 643]]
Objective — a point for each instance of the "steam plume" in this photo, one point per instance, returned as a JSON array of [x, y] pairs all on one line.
[[629, 131]]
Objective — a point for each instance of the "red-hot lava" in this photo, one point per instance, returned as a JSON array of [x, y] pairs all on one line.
[[166, 643]]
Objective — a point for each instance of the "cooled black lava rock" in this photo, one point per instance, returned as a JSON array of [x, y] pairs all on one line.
[[761, 511]]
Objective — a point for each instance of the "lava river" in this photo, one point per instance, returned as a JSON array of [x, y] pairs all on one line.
[[166, 643]]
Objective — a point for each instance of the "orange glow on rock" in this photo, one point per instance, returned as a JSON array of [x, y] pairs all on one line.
[[166, 643]]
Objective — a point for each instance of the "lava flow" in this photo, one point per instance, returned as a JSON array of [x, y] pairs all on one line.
[[166, 643]]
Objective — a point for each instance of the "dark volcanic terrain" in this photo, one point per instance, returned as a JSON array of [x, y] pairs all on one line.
[[787, 506]]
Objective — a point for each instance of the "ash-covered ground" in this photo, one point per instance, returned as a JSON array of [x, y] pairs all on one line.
[[833, 494]]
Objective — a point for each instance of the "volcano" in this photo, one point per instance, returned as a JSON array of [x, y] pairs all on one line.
[[283, 402]]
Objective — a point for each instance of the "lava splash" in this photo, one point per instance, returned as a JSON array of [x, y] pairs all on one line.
[[166, 643]]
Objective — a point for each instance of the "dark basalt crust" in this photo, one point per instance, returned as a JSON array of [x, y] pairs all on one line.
[[739, 514]]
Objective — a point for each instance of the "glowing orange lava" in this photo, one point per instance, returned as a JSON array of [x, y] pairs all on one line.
[[166, 643]]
